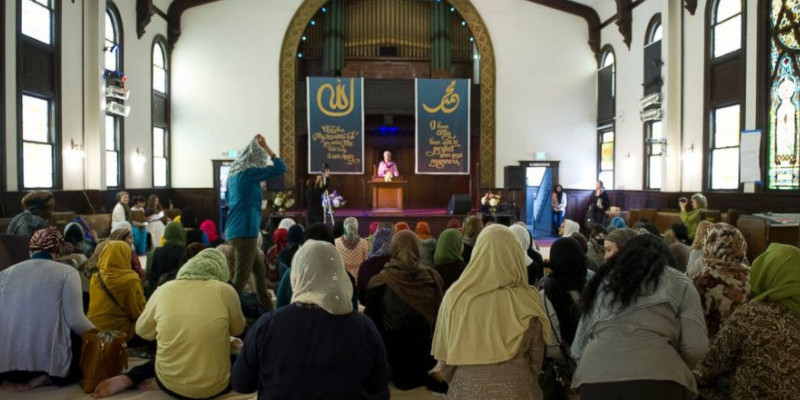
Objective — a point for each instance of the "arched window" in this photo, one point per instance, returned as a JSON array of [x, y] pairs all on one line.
[[114, 125], [160, 113], [655, 140], [38, 55], [725, 92], [606, 110], [783, 107]]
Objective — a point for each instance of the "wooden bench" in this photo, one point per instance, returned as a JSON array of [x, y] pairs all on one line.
[[759, 233]]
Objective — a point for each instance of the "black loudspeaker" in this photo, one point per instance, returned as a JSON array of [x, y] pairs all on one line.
[[459, 204], [514, 177]]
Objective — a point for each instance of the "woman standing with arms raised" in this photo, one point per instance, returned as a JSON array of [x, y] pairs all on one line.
[[244, 214]]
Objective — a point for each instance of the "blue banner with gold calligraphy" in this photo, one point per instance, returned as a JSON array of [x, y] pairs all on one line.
[[442, 139], [335, 124]]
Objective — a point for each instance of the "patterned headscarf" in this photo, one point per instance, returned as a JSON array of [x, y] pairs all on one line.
[[209, 264], [48, 239], [381, 242], [423, 230], [700, 234], [724, 246], [252, 156], [350, 236], [318, 277]]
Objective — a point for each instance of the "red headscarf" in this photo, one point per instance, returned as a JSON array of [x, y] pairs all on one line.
[[401, 226], [281, 239], [454, 223], [210, 228], [423, 230], [373, 227]]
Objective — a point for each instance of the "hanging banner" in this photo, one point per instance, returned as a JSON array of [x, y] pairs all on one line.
[[335, 125], [442, 135]]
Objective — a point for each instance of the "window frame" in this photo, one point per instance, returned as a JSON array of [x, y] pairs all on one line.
[[161, 41], [23, 43], [604, 127], [647, 126], [119, 122], [736, 58]]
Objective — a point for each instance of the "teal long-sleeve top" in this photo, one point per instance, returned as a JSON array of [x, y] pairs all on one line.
[[244, 199]]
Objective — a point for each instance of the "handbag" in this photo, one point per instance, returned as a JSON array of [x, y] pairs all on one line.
[[103, 355], [555, 378]]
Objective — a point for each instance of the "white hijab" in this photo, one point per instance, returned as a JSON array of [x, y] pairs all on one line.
[[318, 277], [570, 227], [286, 223], [524, 239]]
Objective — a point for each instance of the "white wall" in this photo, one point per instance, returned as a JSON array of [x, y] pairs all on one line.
[[82, 27], [225, 85]]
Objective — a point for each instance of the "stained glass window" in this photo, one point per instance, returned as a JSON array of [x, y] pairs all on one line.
[[783, 162]]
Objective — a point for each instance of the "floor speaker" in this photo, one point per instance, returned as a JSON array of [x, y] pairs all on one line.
[[459, 204], [514, 177]]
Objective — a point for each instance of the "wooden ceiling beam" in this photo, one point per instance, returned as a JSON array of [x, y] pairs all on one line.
[[583, 11], [174, 14]]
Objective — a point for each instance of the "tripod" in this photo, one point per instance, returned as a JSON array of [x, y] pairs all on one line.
[[327, 207]]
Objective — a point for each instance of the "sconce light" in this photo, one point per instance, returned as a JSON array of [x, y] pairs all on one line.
[[75, 150], [139, 157], [688, 152], [627, 156]]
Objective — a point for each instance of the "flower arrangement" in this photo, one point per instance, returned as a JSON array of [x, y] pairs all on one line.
[[492, 200], [336, 200], [284, 200], [387, 177]]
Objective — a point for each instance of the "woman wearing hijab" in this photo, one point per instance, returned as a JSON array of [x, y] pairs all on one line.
[[244, 213], [644, 318], [472, 228], [166, 258], [155, 227], [116, 297], [561, 291], [41, 318], [280, 239], [616, 240], [454, 223], [371, 234], [376, 260], [427, 243], [294, 238], [75, 235], [558, 202], [758, 347], [351, 247], [618, 223], [447, 259], [695, 264], [122, 232], [401, 226], [209, 228], [286, 223], [403, 301], [724, 284], [568, 227], [492, 308], [276, 359], [192, 319]]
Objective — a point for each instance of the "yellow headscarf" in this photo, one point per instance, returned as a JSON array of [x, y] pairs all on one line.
[[115, 263], [485, 314]]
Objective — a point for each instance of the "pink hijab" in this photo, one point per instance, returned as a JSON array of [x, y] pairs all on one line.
[[210, 228]]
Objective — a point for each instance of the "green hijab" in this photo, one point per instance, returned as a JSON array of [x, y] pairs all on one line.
[[174, 234], [448, 248], [775, 277], [207, 265]]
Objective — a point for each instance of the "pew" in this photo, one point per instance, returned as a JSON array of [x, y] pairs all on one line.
[[13, 249], [759, 232]]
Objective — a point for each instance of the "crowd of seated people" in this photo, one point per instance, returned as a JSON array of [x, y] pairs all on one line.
[[474, 311]]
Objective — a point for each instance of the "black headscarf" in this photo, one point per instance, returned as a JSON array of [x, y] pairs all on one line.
[[318, 231], [568, 262]]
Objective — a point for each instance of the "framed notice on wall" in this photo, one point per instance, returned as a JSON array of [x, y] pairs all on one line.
[[442, 131], [335, 124]]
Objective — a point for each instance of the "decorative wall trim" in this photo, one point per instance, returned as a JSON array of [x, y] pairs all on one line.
[[583, 11], [624, 20], [144, 13], [691, 6], [174, 14], [288, 79]]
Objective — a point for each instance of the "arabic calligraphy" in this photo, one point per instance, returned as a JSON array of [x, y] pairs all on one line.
[[339, 103], [450, 101]]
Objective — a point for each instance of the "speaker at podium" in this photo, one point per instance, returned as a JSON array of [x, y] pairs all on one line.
[[459, 204]]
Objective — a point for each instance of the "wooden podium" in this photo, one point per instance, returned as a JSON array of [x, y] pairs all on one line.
[[387, 197]]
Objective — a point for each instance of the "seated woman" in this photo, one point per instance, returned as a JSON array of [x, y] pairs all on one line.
[[692, 218], [447, 259], [75, 235], [472, 228], [192, 319], [351, 247], [276, 359], [403, 301], [155, 225], [492, 308], [695, 264], [41, 318], [116, 297], [427, 243], [167, 258], [561, 292], [724, 283], [294, 238], [758, 346], [209, 228], [39, 206], [377, 259], [643, 318]]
